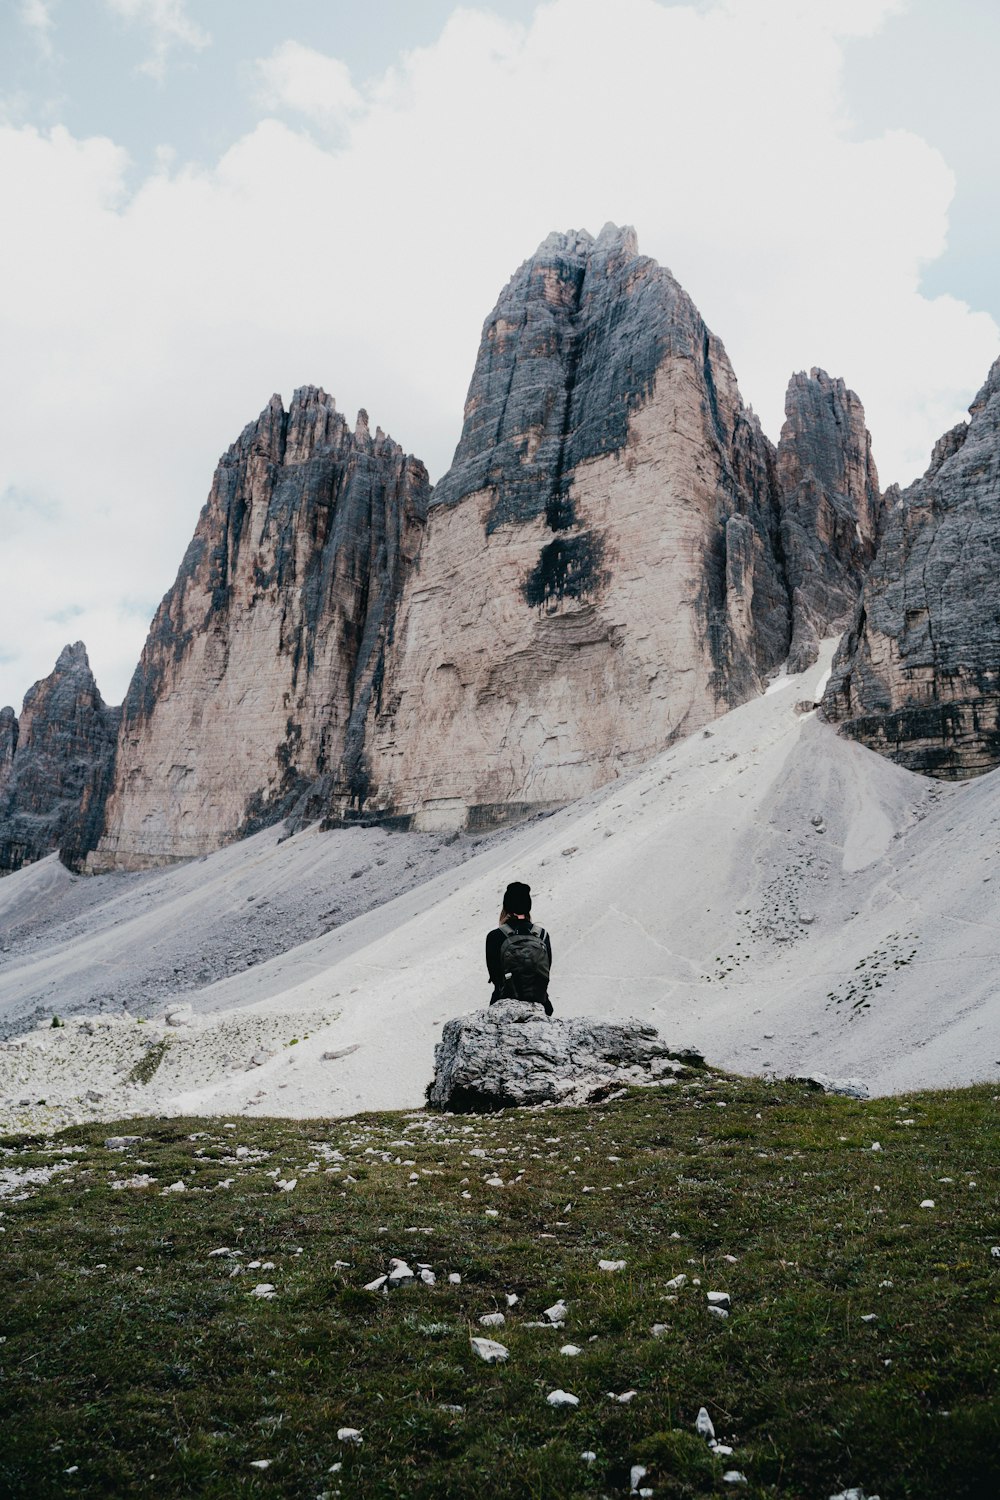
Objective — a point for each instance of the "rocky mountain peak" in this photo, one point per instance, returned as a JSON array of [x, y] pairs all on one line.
[[262, 659], [916, 677], [831, 507], [49, 757]]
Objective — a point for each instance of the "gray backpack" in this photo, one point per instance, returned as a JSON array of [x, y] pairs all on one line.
[[525, 958]]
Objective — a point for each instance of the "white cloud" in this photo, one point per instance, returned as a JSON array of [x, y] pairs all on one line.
[[170, 27], [36, 15], [142, 331], [307, 82]]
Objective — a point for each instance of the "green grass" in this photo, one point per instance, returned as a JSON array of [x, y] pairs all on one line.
[[169, 1380]]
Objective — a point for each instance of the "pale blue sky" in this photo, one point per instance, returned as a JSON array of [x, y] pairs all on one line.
[[210, 200]]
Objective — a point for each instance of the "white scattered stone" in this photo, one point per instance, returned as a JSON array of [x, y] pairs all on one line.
[[637, 1472], [493, 1320], [222, 1250], [720, 1450], [995, 1251], [927, 1203], [562, 1398], [589, 1456], [121, 1142], [733, 1476], [350, 1435], [719, 1299], [854, 1493], [717, 1312], [450, 1407], [399, 1272], [557, 1312], [611, 1265], [869, 1317], [571, 1349], [260, 1463], [703, 1424], [625, 1398], [376, 1285], [286, 1185], [264, 1290], [175, 1187], [676, 1283], [454, 1278], [659, 1329], [492, 1213], [494, 1182], [490, 1351], [512, 1299], [876, 1145], [427, 1277]]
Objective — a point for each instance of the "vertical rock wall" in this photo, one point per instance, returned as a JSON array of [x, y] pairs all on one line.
[[255, 679], [917, 676], [831, 507], [64, 739]]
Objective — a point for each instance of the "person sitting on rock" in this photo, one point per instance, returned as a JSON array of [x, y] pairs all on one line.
[[519, 954]]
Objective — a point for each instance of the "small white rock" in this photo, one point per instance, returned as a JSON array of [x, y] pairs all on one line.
[[175, 1187], [512, 1299], [562, 1398], [625, 1398], [718, 1312], [427, 1277], [454, 1279], [733, 1476], [676, 1283], [260, 1463], [589, 1456], [264, 1290], [490, 1351], [493, 1320], [659, 1329], [637, 1472], [719, 1299], [927, 1203], [350, 1435], [611, 1265], [703, 1424], [376, 1285], [557, 1312], [399, 1272], [571, 1349]]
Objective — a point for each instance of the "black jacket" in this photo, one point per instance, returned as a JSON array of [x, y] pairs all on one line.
[[494, 943]]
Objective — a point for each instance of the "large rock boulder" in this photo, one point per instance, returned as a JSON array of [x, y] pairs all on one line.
[[917, 676], [511, 1054]]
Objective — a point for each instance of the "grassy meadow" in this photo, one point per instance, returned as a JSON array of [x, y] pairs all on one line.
[[862, 1345]]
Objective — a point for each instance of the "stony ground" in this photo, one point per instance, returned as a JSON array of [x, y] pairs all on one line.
[[195, 1308]]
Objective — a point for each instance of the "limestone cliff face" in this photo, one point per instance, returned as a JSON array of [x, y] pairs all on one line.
[[831, 508], [255, 679], [64, 739], [917, 676], [601, 569]]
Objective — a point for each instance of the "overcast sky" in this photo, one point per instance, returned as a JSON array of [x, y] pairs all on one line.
[[205, 201]]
